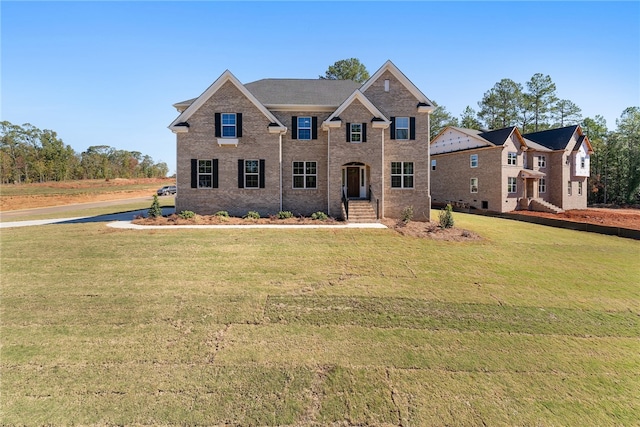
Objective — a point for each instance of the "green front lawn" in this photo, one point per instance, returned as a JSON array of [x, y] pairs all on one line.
[[529, 326]]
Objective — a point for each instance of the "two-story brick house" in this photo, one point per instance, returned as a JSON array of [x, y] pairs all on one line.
[[502, 170], [304, 145]]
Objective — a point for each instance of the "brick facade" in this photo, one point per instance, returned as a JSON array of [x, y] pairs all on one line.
[[453, 173], [331, 153]]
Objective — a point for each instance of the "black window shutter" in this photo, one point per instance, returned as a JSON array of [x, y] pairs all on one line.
[[314, 128], [412, 128], [240, 173], [194, 173], [218, 125], [294, 127], [348, 132], [364, 132], [239, 125], [392, 129], [215, 173], [261, 178]]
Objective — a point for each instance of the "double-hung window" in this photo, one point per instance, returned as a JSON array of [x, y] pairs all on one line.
[[473, 160], [474, 185], [579, 188], [512, 158], [433, 164], [402, 127], [542, 186], [251, 174], [542, 161], [583, 162], [304, 127], [401, 174], [568, 188], [512, 186], [228, 125], [305, 175], [356, 132], [205, 173]]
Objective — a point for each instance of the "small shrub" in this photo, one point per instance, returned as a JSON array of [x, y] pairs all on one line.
[[284, 215], [320, 216], [223, 214], [155, 211], [251, 215], [446, 217], [407, 214], [187, 214]]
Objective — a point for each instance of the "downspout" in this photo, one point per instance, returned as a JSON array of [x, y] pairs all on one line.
[[328, 171], [382, 186], [280, 162], [429, 161]]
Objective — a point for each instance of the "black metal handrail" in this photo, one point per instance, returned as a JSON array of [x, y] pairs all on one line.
[[345, 202]]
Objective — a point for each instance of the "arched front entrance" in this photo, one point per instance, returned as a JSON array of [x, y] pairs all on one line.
[[354, 180]]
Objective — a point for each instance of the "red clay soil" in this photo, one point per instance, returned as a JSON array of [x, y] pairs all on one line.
[[96, 191], [623, 217]]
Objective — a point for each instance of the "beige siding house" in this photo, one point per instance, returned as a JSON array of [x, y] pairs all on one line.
[[304, 146], [503, 171]]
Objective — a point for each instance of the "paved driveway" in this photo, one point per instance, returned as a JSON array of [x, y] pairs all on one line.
[[122, 216]]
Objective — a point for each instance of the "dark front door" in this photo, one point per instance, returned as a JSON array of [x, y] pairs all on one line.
[[353, 182]]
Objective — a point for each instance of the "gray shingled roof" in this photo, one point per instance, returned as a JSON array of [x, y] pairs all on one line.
[[302, 91]]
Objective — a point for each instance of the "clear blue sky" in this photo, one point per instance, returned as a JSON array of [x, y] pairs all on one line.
[[107, 73]]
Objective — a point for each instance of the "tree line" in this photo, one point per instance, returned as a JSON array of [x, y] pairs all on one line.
[[29, 154]]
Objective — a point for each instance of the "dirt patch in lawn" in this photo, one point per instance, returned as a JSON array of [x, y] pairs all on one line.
[[430, 230], [622, 217]]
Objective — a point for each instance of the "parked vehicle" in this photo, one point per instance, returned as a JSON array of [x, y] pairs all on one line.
[[167, 190]]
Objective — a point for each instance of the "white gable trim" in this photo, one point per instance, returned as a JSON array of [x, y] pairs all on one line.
[[390, 66], [357, 95], [227, 76]]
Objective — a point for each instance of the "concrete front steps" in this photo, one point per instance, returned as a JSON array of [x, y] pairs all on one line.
[[544, 206], [360, 211]]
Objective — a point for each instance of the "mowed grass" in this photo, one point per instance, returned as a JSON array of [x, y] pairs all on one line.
[[529, 326]]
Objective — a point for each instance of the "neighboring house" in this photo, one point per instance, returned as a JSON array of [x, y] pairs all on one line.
[[502, 170], [568, 165], [304, 146]]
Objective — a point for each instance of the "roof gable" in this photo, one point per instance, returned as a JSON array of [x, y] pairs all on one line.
[[500, 136], [554, 139], [423, 101], [452, 139], [474, 139], [357, 95], [178, 124]]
